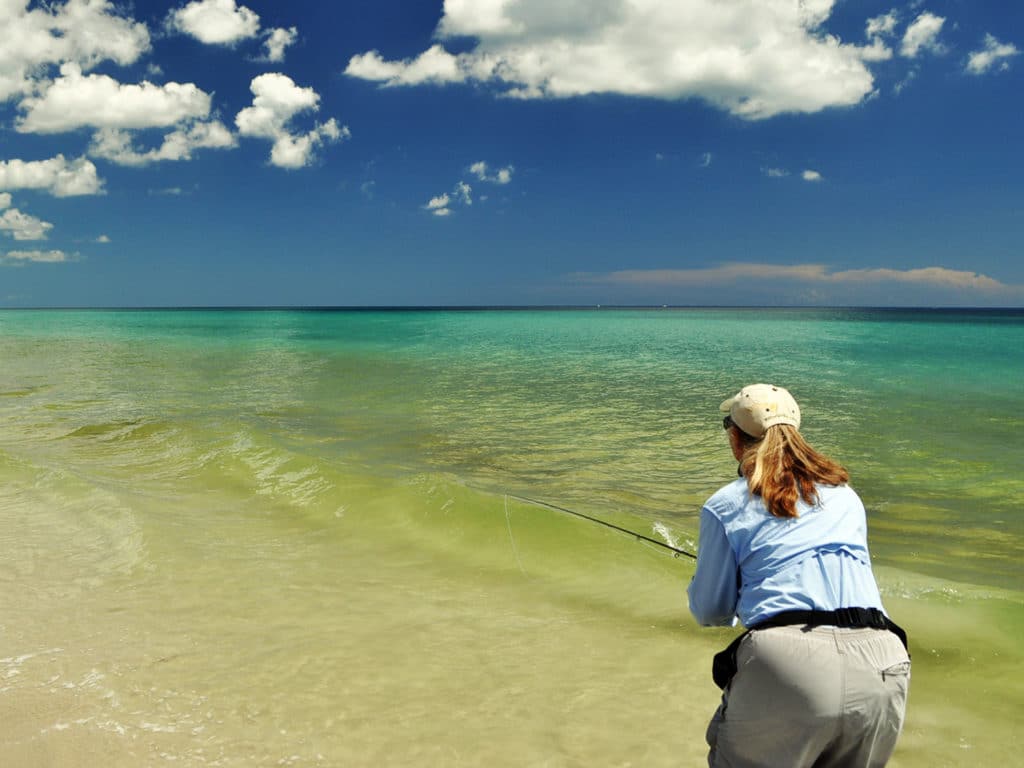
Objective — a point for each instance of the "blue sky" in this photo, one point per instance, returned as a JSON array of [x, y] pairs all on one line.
[[475, 152]]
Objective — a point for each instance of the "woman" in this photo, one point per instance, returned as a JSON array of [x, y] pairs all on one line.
[[820, 678]]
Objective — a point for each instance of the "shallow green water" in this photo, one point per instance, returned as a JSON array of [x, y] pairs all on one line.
[[263, 538]]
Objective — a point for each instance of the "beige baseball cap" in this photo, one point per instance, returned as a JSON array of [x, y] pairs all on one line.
[[759, 406]]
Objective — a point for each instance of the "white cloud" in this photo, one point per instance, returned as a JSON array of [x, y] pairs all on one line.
[[877, 31], [85, 32], [20, 225], [224, 22], [992, 54], [882, 26], [276, 100], [75, 100], [58, 176], [705, 160], [20, 258], [103, 239], [877, 51], [435, 65], [906, 81], [278, 40], [810, 175], [215, 22], [922, 35], [439, 205], [753, 58], [333, 131], [116, 145], [464, 193], [482, 17], [297, 151], [935, 277], [482, 171], [775, 173]]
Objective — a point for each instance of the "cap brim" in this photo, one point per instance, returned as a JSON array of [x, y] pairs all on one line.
[[726, 405]]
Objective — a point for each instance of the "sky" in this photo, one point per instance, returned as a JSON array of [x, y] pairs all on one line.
[[511, 152]]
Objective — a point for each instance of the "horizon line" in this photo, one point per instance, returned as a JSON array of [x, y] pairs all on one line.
[[494, 307]]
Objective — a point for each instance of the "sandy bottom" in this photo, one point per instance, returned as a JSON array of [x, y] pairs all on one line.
[[255, 641]]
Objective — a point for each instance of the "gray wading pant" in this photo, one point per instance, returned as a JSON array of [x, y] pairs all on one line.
[[822, 697]]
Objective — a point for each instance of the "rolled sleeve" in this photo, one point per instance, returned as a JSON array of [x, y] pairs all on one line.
[[714, 590]]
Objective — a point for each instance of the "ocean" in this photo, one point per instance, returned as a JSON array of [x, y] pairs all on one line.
[[297, 537]]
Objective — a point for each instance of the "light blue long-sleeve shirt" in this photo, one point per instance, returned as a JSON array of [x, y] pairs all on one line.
[[752, 565]]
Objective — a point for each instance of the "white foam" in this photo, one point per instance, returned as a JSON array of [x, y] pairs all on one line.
[[662, 530]]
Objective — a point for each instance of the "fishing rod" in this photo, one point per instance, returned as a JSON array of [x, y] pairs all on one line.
[[639, 536]]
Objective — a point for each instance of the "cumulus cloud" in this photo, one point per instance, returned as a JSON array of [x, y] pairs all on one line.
[[103, 239], [57, 175], [83, 32], [993, 54], [753, 58], [935, 277], [882, 26], [462, 193], [439, 206], [223, 22], [215, 22], [483, 173], [117, 146], [20, 225], [75, 100], [277, 41], [922, 36], [20, 258], [878, 31], [810, 175], [435, 65], [276, 100]]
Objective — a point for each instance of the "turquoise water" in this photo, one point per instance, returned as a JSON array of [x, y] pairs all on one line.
[[341, 477]]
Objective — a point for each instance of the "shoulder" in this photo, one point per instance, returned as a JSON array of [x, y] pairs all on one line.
[[840, 502], [839, 495], [729, 498]]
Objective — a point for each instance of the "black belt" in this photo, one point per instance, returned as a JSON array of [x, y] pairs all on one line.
[[852, 618], [724, 664]]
